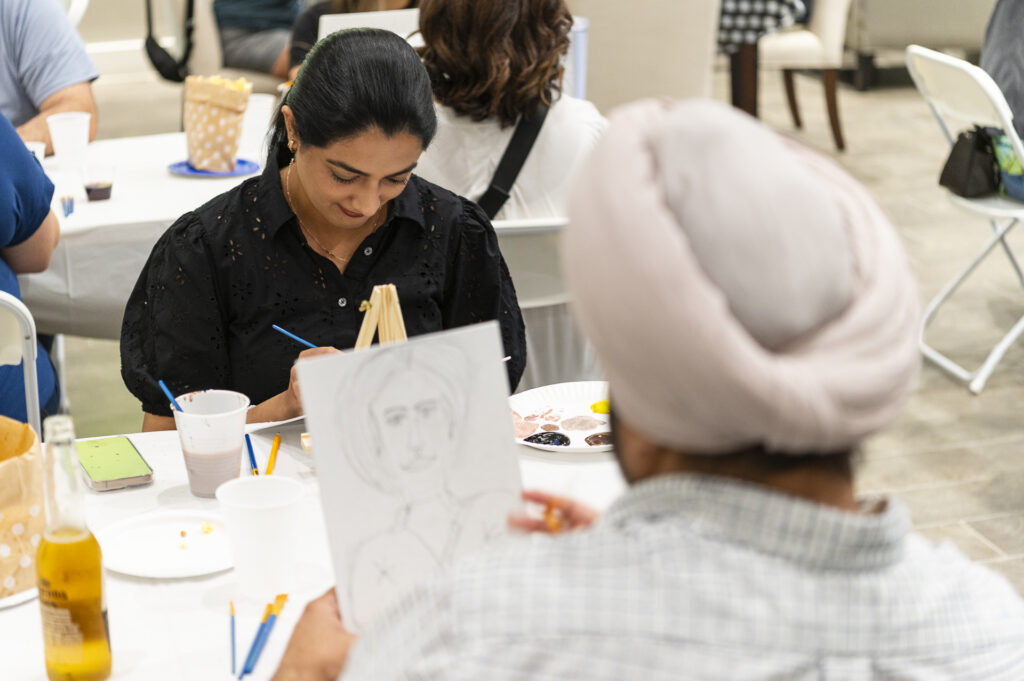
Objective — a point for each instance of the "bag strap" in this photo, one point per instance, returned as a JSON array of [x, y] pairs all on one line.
[[188, 26], [190, 10], [512, 161]]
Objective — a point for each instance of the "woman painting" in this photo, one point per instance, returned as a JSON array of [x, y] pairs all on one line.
[[336, 211]]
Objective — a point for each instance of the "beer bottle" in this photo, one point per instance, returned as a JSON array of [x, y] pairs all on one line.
[[69, 568]]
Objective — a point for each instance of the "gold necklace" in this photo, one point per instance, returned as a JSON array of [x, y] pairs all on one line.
[[330, 253]]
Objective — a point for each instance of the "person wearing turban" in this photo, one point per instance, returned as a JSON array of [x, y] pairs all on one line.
[[756, 317]]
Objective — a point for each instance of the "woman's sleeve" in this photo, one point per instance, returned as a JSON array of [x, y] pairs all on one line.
[[174, 324], [480, 288]]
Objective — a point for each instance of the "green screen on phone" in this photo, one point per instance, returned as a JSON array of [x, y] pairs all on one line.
[[111, 458]]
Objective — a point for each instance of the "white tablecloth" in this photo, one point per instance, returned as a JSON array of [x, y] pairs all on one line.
[[178, 629], [104, 244]]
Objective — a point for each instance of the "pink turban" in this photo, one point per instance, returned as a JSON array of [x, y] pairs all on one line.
[[739, 289]]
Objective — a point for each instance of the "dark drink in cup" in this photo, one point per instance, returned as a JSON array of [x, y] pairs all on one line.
[[98, 191]]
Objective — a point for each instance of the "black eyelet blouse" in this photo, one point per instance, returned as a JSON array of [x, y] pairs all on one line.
[[201, 312]]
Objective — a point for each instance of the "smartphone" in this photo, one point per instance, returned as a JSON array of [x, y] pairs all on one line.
[[113, 463]]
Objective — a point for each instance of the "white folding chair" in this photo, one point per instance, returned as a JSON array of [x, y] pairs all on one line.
[[557, 351], [960, 94], [18, 345]]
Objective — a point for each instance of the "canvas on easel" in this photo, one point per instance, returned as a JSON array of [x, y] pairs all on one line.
[[415, 457]]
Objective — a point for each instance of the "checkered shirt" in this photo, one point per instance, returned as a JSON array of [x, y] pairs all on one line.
[[744, 21], [693, 577]]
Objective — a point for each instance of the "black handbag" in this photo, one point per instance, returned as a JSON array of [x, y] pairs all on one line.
[[167, 66], [971, 170]]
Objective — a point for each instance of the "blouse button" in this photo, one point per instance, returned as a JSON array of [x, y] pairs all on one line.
[[342, 302], [368, 251]]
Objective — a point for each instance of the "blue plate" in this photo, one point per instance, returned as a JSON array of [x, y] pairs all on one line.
[[242, 167]]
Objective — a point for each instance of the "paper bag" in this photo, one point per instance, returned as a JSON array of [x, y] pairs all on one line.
[[22, 519], [214, 109]]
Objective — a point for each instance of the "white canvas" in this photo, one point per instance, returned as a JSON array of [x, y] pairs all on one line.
[[415, 458], [404, 22]]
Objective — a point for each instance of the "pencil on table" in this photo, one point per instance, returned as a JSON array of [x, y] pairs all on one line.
[[273, 453]]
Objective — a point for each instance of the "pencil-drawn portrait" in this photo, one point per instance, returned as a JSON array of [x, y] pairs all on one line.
[[401, 416]]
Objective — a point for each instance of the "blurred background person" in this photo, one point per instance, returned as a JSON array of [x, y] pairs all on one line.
[[1002, 55], [44, 68], [492, 63], [254, 34], [307, 26]]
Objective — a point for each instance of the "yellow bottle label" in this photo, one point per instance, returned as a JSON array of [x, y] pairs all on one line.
[[75, 634]]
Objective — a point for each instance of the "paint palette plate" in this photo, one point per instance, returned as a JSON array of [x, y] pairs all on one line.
[[152, 545], [557, 408]]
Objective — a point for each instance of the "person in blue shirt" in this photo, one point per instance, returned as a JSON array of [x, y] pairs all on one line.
[[28, 234]]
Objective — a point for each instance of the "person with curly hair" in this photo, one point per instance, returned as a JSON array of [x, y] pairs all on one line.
[[492, 62]]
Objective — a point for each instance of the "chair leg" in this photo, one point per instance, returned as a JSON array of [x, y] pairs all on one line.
[[831, 79], [1009, 253], [975, 379], [794, 108]]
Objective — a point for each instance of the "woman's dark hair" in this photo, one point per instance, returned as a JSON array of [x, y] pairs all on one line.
[[498, 58], [353, 81]]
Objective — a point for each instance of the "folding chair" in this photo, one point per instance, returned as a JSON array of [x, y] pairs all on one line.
[[18, 345], [960, 94]]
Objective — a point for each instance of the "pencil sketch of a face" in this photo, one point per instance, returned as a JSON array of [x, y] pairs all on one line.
[[414, 422], [402, 418]]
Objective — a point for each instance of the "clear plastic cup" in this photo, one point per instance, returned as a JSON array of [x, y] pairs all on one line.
[[69, 133], [211, 428], [262, 517]]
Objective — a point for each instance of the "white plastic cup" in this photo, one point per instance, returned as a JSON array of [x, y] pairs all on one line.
[[37, 149], [261, 513], [69, 133], [211, 429]]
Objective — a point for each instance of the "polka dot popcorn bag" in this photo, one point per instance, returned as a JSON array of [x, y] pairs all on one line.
[[214, 108], [22, 519]]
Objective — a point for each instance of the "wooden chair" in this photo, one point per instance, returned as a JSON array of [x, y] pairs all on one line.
[[819, 46]]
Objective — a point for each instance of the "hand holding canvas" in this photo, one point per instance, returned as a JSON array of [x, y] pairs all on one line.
[[319, 645]]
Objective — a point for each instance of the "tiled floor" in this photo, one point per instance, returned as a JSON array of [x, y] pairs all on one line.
[[956, 459]]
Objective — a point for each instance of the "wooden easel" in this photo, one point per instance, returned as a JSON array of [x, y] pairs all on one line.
[[383, 317]]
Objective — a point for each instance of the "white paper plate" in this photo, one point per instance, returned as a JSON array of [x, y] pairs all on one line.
[[151, 545], [19, 598], [565, 400]]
